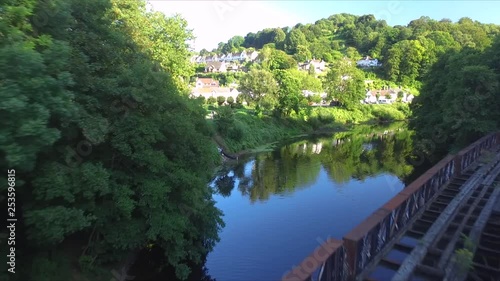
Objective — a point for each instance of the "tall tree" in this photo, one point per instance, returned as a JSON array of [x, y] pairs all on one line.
[[259, 87], [289, 94], [460, 98], [303, 53], [345, 83], [114, 156], [403, 62], [294, 39]]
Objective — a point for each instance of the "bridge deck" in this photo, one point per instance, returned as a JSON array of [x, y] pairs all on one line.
[[440, 242], [445, 225]]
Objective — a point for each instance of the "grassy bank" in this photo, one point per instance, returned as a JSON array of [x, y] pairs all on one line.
[[241, 129]]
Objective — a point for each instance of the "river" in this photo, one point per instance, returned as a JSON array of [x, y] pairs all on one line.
[[280, 205]]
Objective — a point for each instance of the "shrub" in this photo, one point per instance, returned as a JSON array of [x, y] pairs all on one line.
[[201, 99], [387, 113], [239, 99], [221, 100], [211, 100], [236, 131], [230, 100], [224, 119]]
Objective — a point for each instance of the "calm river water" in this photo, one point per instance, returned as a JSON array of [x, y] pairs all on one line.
[[279, 205]]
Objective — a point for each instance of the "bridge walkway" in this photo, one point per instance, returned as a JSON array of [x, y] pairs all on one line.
[[440, 242], [445, 225], [486, 261]]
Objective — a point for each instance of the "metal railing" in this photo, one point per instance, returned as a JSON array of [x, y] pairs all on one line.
[[341, 260]]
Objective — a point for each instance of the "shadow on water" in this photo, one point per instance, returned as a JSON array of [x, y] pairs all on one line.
[[150, 267]]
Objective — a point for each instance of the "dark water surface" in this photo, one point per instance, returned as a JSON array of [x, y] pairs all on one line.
[[280, 205]]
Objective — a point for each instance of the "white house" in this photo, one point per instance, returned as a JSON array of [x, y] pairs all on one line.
[[215, 92], [408, 98], [216, 66], [385, 96], [252, 56], [232, 67], [308, 93], [369, 98], [206, 83], [240, 56], [319, 66], [368, 62], [213, 58], [197, 59], [233, 57]]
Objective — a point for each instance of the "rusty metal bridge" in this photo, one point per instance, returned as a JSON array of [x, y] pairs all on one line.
[[443, 226]]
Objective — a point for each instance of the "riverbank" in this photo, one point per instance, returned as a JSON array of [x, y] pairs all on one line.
[[240, 131]]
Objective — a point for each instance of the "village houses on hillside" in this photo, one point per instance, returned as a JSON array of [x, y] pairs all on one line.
[[386, 96], [242, 56], [208, 87], [206, 83]]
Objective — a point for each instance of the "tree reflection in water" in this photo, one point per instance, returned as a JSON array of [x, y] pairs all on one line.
[[357, 154]]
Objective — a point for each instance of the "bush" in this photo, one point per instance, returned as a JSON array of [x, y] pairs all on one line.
[[211, 100], [387, 113], [237, 106], [224, 119], [201, 99], [230, 100], [239, 99], [236, 131], [221, 100]]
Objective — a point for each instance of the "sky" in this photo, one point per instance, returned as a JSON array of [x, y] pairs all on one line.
[[217, 21]]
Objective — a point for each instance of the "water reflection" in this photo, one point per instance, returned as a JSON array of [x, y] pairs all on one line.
[[277, 204], [344, 156]]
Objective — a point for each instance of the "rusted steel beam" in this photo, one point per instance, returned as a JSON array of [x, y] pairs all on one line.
[[426, 186], [314, 261], [438, 227]]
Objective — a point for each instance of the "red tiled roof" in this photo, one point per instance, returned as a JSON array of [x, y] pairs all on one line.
[[384, 92], [208, 81]]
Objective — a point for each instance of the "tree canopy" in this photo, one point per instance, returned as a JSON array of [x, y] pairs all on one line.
[[405, 51], [345, 83], [110, 154], [460, 97]]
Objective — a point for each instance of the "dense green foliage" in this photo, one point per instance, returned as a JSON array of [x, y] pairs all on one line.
[[110, 155], [406, 52], [345, 82], [242, 129], [453, 64], [460, 99]]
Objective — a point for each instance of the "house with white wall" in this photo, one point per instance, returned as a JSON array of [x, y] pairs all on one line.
[[318, 65], [206, 83], [252, 56], [216, 66], [213, 58], [215, 92], [368, 62], [387, 96]]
